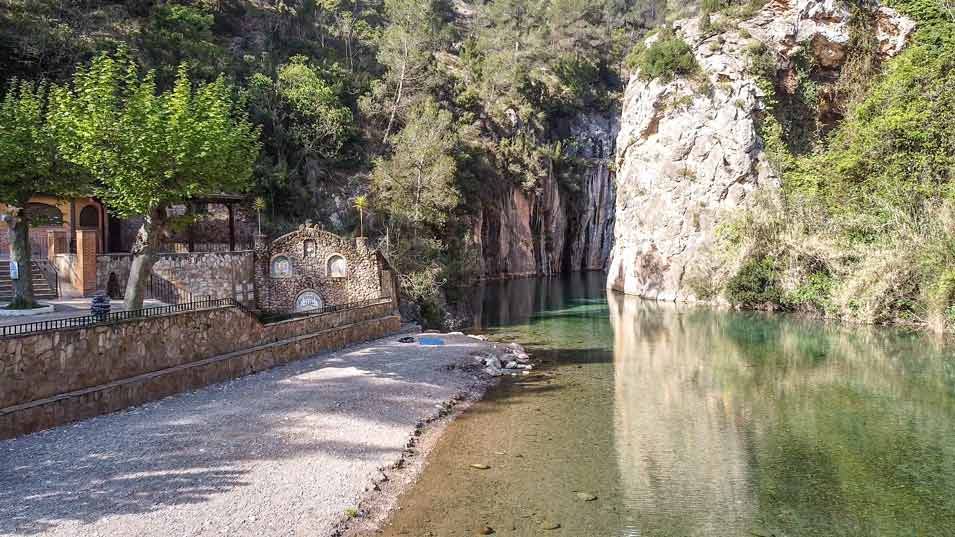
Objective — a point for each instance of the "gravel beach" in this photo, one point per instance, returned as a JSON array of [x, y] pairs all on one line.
[[285, 452]]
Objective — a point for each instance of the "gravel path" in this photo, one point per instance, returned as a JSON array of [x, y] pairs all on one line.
[[283, 452]]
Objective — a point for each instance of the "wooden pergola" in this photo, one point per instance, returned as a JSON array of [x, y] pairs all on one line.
[[229, 200]]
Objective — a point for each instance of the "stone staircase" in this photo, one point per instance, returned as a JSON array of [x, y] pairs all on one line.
[[41, 287]]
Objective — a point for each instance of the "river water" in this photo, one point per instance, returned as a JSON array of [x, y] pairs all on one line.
[[688, 421]]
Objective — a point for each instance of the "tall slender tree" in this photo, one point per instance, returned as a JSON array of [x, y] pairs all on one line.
[[151, 150], [30, 164], [361, 203]]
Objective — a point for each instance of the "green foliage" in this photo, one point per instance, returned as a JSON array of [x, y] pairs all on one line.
[[666, 58], [320, 124], [755, 284], [150, 149], [176, 34], [416, 183], [30, 161], [814, 293], [865, 229]]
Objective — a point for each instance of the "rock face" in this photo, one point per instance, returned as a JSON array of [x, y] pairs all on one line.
[[554, 228], [688, 151]]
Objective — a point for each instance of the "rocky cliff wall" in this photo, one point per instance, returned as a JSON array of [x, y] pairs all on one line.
[[688, 151], [555, 227]]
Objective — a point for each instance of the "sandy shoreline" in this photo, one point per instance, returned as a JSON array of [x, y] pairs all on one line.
[[297, 450]]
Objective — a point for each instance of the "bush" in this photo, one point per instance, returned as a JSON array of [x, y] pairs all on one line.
[[668, 57], [755, 285]]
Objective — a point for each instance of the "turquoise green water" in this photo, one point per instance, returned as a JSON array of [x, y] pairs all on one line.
[[695, 422]]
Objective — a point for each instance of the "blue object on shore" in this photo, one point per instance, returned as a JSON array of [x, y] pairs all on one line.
[[430, 341]]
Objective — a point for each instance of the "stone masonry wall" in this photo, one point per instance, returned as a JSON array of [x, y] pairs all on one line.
[[58, 377], [217, 275], [308, 251]]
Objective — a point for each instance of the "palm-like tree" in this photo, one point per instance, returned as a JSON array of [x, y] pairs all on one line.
[[361, 203], [259, 205]]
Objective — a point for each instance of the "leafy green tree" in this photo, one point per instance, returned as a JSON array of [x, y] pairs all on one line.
[[29, 165], [150, 150], [416, 183], [319, 121]]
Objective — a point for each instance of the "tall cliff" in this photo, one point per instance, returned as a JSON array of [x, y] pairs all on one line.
[[689, 150], [558, 226]]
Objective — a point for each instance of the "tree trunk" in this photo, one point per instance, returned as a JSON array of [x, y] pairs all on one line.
[[19, 230], [144, 257], [394, 108]]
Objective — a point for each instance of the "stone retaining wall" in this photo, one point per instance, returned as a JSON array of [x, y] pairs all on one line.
[[213, 274], [58, 377]]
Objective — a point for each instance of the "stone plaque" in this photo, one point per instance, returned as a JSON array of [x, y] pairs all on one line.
[[309, 248], [308, 301]]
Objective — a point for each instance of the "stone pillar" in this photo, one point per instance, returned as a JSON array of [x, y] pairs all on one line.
[[260, 271], [86, 261], [361, 244]]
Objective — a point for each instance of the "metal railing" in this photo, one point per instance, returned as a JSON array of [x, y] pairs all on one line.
[[271, 317], [86, 321], [50, 273]]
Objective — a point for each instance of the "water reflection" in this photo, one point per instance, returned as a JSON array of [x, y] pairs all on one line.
[[504, 303], [680, 438], [736, 424], [689, 421]]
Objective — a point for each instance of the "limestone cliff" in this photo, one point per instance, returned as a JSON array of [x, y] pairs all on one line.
[[554, 227], [689, 150]]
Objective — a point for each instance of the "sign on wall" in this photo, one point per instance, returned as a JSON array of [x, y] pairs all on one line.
[[308, 301]]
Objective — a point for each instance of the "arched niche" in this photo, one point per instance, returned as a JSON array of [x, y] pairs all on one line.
[[336, 266], [89, 217], [280, 267]]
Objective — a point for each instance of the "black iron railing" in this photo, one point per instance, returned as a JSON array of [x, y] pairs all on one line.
[[37, 327], [272, 317], [50, 273], [51, 325]]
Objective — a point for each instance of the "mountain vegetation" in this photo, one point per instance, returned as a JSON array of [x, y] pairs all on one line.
[[421, 106], [864, 226]]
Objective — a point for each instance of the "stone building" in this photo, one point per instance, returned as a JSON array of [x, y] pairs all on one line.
[[311, 268]]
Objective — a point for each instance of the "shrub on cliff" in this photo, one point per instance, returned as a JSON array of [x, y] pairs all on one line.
[[865, 225], [756, 285], [666, 58]]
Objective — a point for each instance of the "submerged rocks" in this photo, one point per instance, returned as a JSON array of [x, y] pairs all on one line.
[[513, 361]]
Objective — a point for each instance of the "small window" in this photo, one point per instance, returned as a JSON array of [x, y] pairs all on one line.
[[337, 267], [281, 267], [309, 248]]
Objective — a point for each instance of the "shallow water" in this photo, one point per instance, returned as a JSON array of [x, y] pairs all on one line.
[[687, 421]]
